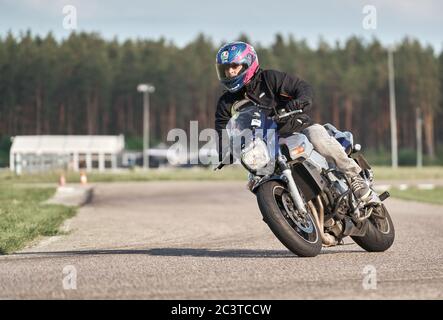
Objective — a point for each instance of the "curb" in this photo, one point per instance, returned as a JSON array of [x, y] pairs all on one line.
[[72, 196]]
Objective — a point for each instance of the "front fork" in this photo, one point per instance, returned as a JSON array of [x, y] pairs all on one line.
[[289, 179]]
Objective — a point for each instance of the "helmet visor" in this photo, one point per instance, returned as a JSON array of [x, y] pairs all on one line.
[[226, 71]]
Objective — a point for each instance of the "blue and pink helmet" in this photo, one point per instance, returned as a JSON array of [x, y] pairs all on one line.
[[236, 53]]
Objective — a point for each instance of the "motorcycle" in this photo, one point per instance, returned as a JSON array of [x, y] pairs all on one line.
[[306, 201]]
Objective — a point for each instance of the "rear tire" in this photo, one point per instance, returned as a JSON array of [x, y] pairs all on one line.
[[380, 234], [289, 235]]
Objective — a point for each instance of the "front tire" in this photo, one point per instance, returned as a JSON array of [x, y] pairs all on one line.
[[380, 234], [299, 236]]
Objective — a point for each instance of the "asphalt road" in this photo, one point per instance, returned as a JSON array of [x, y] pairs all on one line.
[[206, 240]]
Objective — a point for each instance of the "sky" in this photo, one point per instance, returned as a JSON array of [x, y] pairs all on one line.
[[223, 20]]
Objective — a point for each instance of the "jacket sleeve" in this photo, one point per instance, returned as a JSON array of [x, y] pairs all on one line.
[[295, 88], [288, 88], [222, 116]]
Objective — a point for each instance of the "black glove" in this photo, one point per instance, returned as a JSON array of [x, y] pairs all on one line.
[[300, 103]]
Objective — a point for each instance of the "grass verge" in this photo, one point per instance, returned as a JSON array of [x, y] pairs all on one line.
[[430, 196], [228, 173], [408, 173], [23, 217]]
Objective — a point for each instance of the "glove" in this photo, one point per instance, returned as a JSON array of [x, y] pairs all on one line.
[[300, 103]]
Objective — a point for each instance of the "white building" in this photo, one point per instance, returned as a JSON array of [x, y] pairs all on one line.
[[40, 153]]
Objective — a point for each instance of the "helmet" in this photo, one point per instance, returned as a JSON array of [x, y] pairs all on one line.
[[236, 53]]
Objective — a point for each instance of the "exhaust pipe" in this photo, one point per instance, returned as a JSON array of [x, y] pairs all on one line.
[[327, 239]]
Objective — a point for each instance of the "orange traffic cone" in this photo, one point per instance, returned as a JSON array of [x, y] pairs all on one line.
[[62, 180], [83, 178]]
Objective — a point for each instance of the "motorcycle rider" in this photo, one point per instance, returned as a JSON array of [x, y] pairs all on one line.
[[239, 72]]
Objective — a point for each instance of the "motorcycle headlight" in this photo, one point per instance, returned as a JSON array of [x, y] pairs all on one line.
[[256, 155]]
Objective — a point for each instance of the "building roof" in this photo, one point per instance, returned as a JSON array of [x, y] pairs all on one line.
[[67, 144]]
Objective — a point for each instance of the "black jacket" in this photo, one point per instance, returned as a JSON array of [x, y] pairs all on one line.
[[269, 88]]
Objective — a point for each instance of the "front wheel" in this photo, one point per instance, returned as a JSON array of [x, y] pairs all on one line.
[[380, 233], [297, 232]]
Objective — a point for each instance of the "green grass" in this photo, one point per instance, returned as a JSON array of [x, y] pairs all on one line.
[[23, 217], [228, 173], [408, 173], [431, 196]]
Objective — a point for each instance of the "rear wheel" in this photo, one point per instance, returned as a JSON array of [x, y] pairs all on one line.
[[296, 231], [380, 234]]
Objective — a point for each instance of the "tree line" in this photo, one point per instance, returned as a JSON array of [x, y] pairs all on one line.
[[85, 84]]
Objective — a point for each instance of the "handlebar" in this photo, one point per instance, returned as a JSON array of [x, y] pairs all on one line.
[[220, 165], [223, 162], [286, 114], [281, 115]]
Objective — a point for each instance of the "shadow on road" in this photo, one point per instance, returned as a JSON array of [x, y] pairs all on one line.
[[171, 252], [182, 252], [221, 253], [231, 253]]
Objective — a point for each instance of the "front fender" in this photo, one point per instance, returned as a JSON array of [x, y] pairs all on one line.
[[266, 179]]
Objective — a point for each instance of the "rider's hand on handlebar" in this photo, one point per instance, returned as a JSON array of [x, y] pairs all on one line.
[[298, 104], [284, 114]]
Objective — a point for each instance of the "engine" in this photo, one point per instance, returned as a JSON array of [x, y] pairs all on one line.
[[336, 197]]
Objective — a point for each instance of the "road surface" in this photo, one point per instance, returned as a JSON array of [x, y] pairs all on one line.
[[206, 240]]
